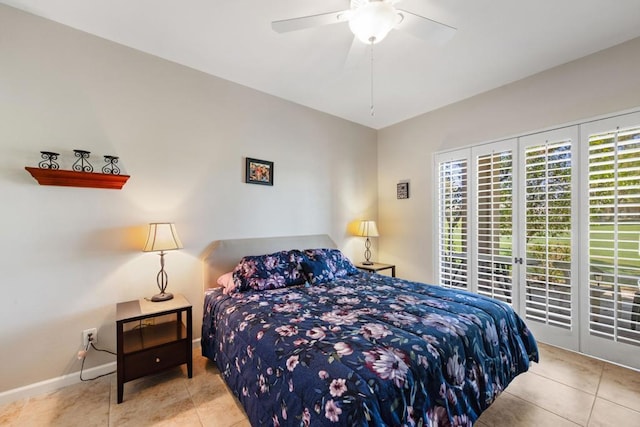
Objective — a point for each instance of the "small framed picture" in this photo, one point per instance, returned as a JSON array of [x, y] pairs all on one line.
[[258, 172], [403, 190]]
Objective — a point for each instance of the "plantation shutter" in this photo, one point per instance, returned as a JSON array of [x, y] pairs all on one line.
[[452, 223], [550, 223], [614, 235], [548, 233], [494, 224]]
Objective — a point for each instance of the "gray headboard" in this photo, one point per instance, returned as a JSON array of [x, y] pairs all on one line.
[[223, 255]]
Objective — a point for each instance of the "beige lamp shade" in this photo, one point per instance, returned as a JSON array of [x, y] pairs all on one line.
[[368, 228], [162, 237]]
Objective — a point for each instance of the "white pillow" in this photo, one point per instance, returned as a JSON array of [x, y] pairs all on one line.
[[227, 283]]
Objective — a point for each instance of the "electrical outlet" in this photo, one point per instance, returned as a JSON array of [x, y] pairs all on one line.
[[85, 336]]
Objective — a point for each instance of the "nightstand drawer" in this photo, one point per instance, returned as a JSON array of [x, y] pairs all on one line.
[[147, 362]]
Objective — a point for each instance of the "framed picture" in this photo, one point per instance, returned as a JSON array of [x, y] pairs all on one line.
[[403, 190], [258, 172]]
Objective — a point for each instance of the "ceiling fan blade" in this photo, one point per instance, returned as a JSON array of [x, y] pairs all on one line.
[[425, 28], [295, 24]]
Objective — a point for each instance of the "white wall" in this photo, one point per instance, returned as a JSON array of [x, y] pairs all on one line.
[[68, 255], [602, 83]]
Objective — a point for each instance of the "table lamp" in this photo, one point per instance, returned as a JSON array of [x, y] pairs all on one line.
[[162, 237], [367, 229]]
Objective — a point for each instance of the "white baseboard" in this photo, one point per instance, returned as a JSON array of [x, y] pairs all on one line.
[[54, 384]]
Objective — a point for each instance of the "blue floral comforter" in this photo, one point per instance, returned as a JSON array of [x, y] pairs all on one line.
[[365, 350]]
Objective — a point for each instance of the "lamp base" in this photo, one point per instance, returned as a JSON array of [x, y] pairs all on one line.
[[367, 263], [165, 296]]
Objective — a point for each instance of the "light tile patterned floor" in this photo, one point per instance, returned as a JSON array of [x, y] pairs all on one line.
[[565, 389]]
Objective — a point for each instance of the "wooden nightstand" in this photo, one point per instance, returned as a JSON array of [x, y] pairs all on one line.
[[376, 266], [146, 348]]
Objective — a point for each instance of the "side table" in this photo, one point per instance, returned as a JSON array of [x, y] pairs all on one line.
[[377, 266], [148, 348]]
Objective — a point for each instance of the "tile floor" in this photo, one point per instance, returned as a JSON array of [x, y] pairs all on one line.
[[564, 389]]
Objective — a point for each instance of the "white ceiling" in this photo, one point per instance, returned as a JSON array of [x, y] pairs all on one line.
[[497, 42]]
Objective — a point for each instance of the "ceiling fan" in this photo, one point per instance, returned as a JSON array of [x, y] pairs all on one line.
[[371, 21]]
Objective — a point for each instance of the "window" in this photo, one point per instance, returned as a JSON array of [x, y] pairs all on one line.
[[494, 221], [452, 223], [548, 232], [614, 235]]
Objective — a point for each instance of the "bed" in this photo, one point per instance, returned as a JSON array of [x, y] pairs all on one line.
[[314, 341]]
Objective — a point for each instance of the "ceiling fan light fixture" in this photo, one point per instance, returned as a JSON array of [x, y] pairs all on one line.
[[371, 22]]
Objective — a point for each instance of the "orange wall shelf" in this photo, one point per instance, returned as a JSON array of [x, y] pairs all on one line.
[[68, 178]]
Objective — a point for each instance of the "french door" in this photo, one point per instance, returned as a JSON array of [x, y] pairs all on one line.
[[475, 250], [452, 219], [493, 223], [610, 267], [514, 239], [547, 241], [550, 224]]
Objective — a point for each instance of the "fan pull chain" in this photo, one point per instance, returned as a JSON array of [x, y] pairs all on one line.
[[373, 113]]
